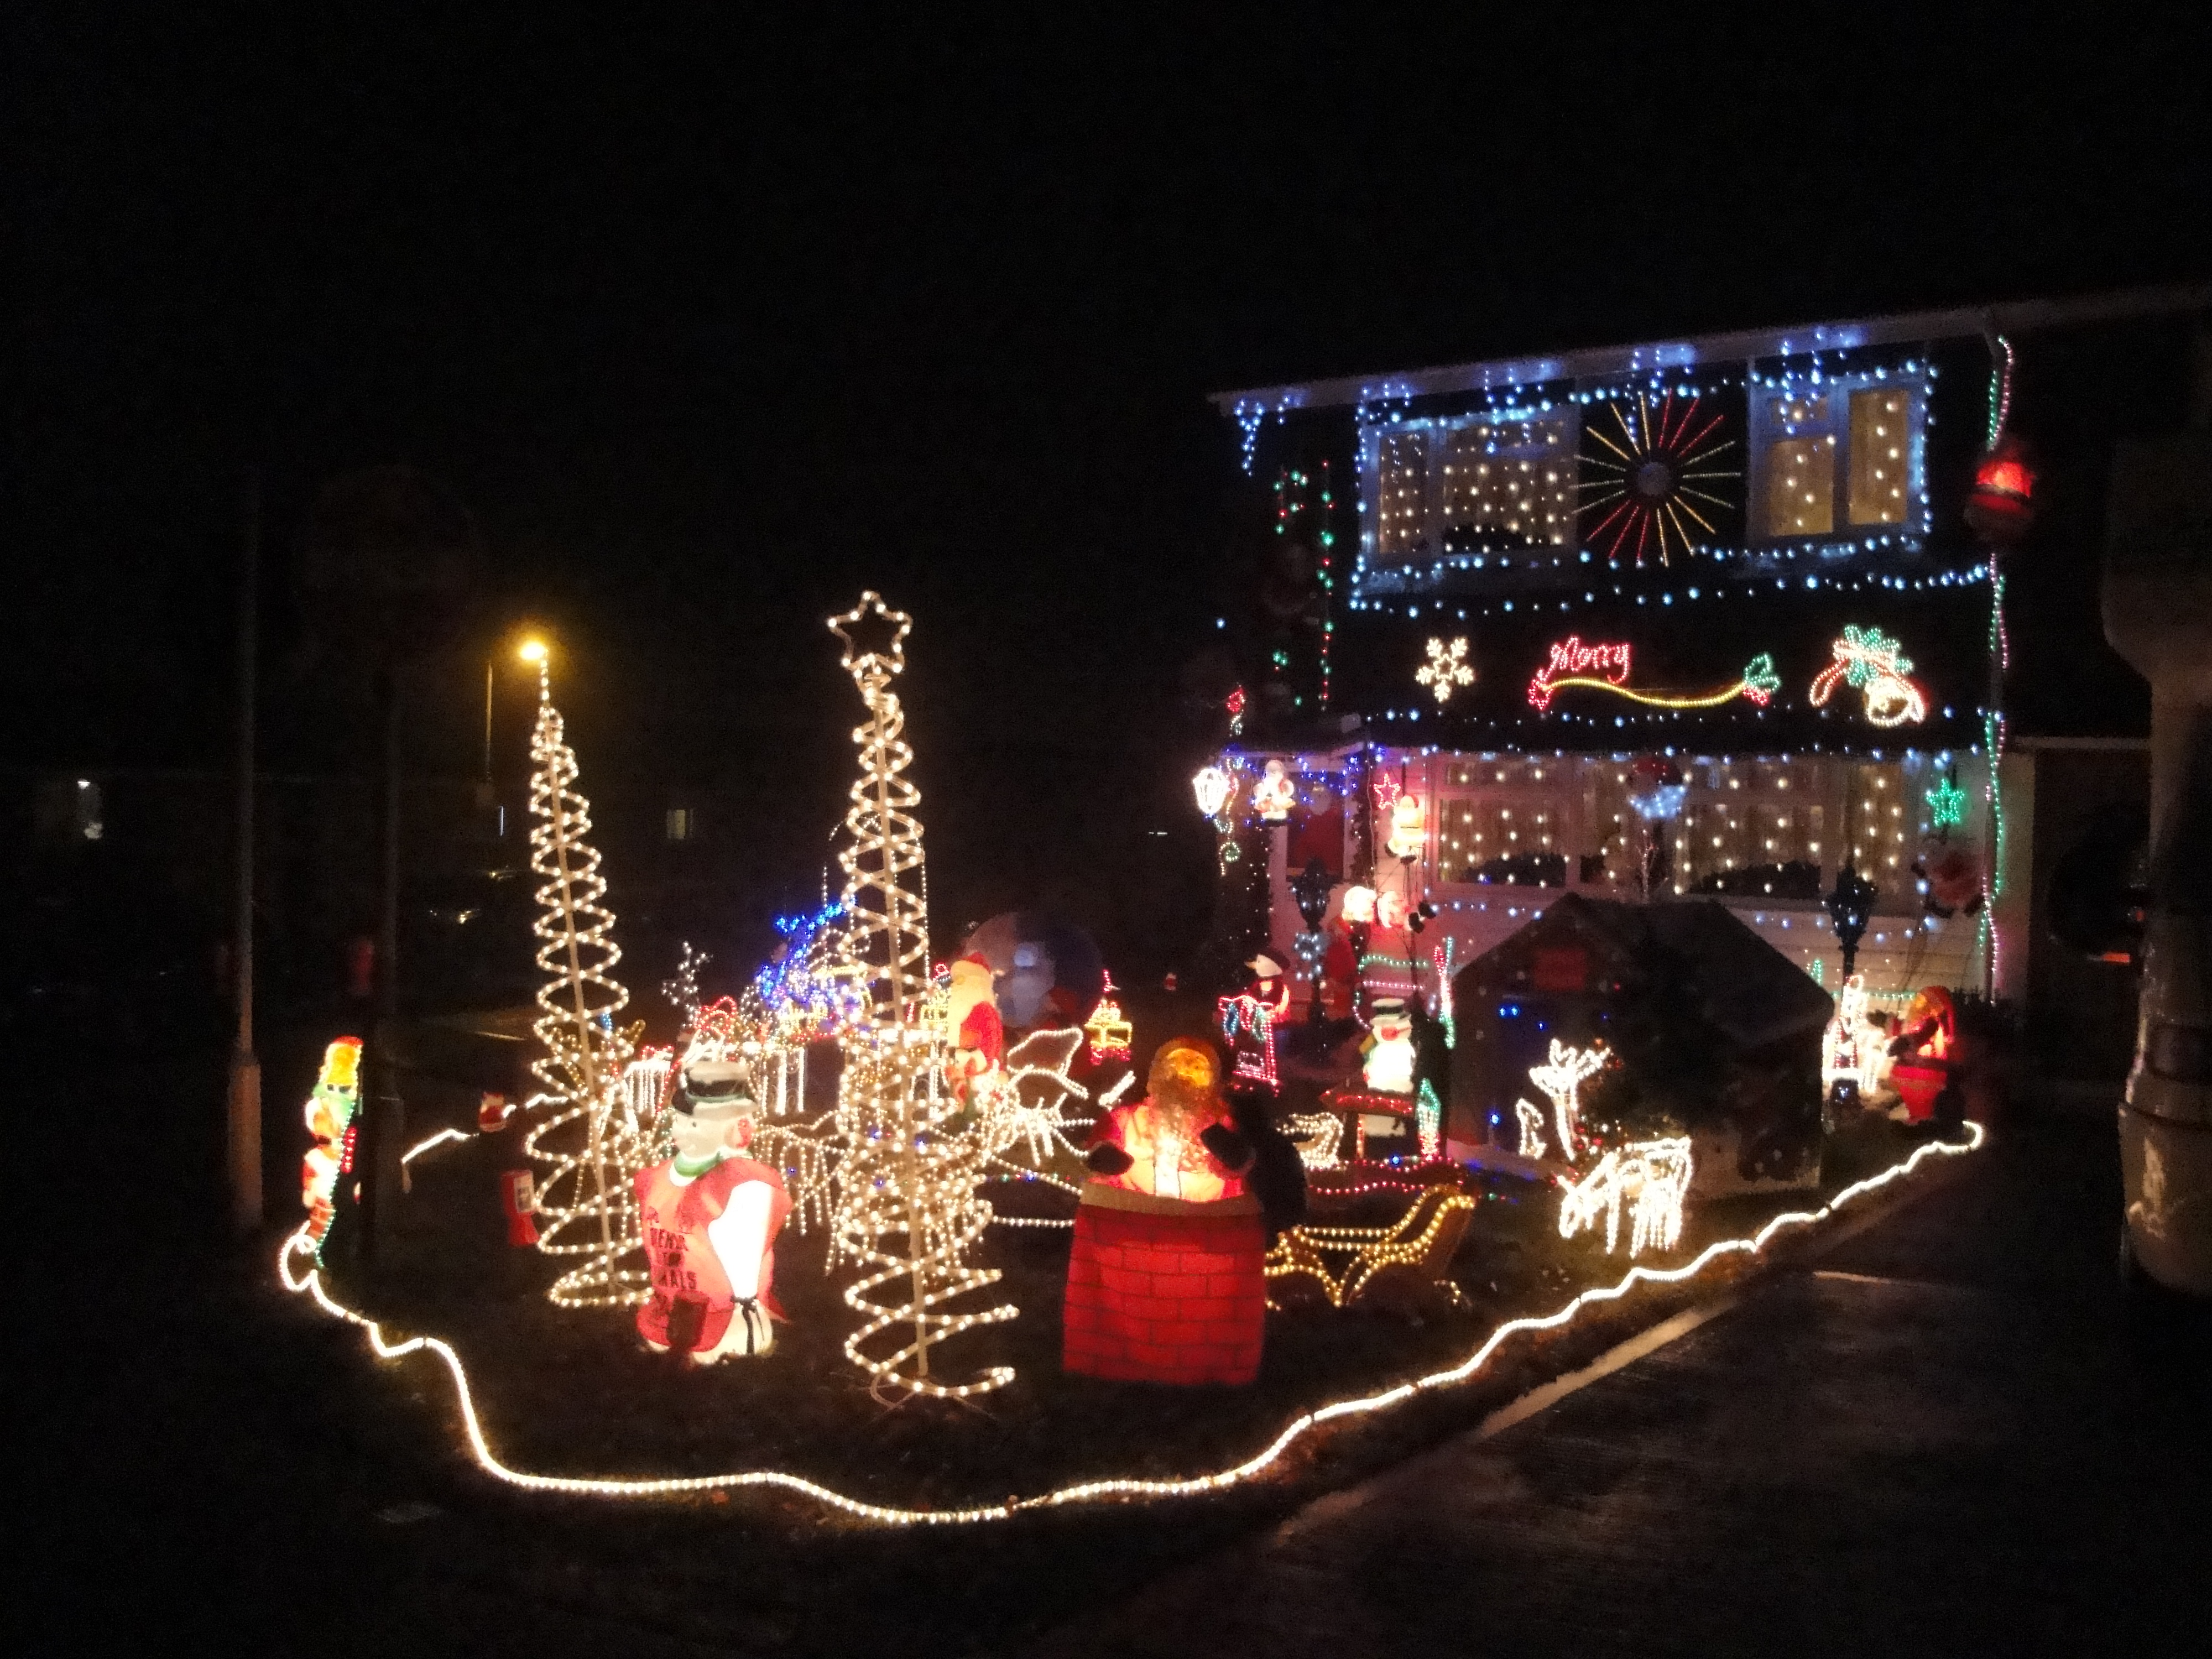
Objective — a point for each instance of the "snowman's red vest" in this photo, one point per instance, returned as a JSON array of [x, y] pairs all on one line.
[[673, 1216]]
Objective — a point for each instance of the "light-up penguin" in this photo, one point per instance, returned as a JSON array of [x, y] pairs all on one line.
[[709, 1215]]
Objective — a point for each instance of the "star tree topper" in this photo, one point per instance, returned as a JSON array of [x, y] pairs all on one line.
[[874, 638]]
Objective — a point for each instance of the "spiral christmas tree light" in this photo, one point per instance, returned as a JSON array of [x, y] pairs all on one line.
[[907, 1210], [591, 1146]]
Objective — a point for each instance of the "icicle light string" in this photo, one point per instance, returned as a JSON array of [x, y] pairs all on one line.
[[310, 1282]]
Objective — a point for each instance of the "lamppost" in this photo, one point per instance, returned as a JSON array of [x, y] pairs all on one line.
[[1849, 904], [532, 651]]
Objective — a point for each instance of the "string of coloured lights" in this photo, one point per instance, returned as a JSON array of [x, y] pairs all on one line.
[[587, 1204], [310, 1282]]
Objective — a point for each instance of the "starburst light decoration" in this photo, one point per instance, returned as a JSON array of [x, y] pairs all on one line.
[[1562, 1079], [592, 1142], [1445, 669], [907, 1208], [1653, 471]]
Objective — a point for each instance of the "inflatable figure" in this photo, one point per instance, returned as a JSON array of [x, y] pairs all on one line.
[[329, 1112], [710, 1216], [1165, 1282]]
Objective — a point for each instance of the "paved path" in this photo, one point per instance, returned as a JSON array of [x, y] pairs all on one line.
[[1950, 1435]]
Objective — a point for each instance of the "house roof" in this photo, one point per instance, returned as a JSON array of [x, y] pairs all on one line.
[[1653, 356], [1748, 990]]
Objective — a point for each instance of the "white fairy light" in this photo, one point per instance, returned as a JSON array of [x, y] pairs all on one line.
[[1652, 1177], [587, 1203], [310, 1282], [1316, 1135], [907, 1176], [1531, 1116], [1562, 1079]]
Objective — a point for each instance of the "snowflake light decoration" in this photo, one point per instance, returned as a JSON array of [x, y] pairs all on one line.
[[1445, 668]]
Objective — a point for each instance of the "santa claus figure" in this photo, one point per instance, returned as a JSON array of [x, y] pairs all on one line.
[[1165, 1282], [329, 1112], [710, 1216], [977, 1033], [1387, 1056]]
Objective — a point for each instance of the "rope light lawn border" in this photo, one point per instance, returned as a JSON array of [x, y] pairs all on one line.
[[1087, 1490]]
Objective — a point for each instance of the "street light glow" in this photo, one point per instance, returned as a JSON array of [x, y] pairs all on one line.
[[532, 651]]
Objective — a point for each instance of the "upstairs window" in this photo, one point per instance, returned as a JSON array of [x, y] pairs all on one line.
[[1879, 440], [1841, 457], [1401, 525], [682, 823], [1496, 482]]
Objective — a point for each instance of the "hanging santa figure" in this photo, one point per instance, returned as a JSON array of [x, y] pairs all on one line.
[[977, 1032], [329, 1112], [709, 1215], [1166, 1281]]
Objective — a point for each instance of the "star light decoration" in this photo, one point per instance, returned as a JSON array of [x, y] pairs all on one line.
[[911, 1162], [593, 1143], [1947, 804], [1445, 669]]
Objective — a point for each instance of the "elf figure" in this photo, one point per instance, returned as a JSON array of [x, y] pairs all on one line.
[[710, 1216], [1386, 1056], [329, 1112], [978, 1033]]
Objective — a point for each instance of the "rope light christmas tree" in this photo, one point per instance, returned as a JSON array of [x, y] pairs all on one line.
[[908, 1209], [593, 1144]]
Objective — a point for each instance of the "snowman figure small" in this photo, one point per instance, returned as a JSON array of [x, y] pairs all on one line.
[[1386, 1054]]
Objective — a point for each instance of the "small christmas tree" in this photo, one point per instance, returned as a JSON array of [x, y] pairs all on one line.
[[594, 1146], [908, 1209]]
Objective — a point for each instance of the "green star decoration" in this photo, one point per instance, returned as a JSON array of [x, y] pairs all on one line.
[[1947, 805]]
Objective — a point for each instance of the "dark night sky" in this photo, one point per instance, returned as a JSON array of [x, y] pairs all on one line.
[[713, 327]]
